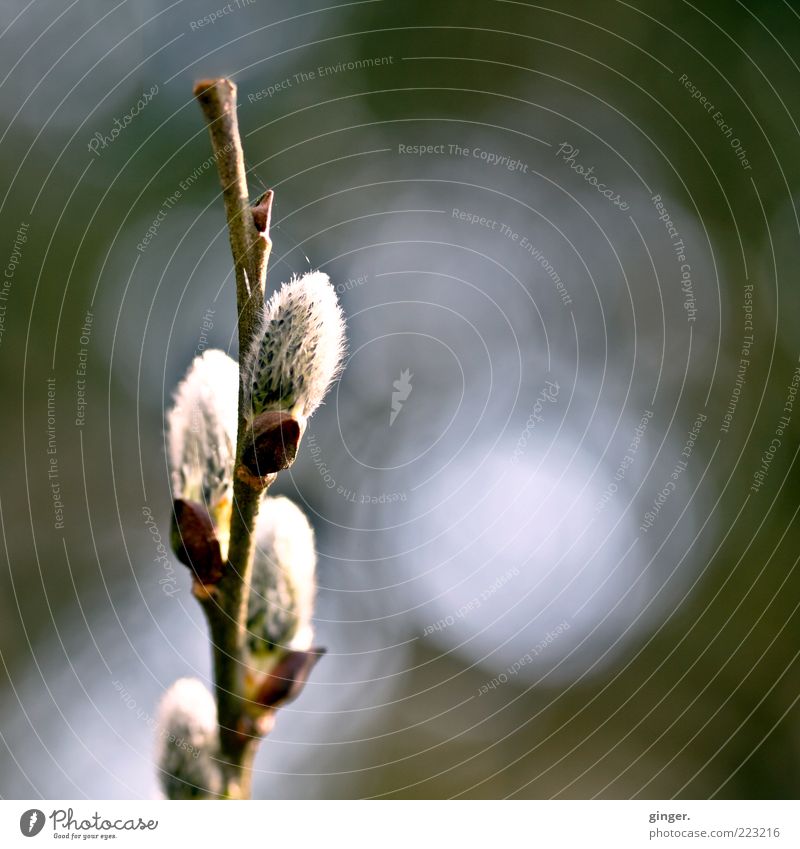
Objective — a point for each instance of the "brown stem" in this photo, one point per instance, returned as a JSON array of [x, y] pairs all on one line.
[[250, 244], [226, 608]]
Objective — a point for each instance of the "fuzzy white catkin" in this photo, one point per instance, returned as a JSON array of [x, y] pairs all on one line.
[[298, 349], [283, 584], [201, 430], [188, 741]]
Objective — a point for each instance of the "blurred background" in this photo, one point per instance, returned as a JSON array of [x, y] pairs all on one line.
[[555, 492]]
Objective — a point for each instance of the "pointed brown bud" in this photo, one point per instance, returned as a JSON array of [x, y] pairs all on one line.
[[272, 443], [262, 212], [194, 541], [287, 679]]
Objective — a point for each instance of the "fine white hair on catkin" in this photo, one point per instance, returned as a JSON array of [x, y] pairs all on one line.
[[201, 429], [283, 583], [188, 742], [298, 349]]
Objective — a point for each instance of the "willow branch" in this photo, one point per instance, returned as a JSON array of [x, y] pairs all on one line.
[[226, 609]]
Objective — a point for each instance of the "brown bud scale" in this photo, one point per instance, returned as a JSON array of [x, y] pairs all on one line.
[[195, 542], [287, 679], [272, 443]]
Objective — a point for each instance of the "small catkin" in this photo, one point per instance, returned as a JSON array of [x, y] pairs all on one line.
[[298, 349], [283, 584], [201, 430], [188, 742]]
